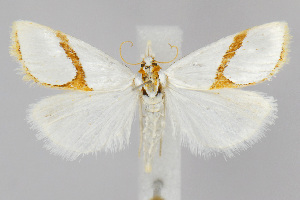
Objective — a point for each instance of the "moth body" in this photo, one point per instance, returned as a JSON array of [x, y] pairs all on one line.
[[154, 123], [152, 101]]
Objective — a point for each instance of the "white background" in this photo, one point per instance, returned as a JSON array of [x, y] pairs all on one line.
[[269, 170]]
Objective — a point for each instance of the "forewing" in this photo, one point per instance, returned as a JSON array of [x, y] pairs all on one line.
[[242, 59], [218, 121], [78, 123], [55, 59]]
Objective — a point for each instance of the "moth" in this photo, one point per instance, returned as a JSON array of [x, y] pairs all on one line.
[[197, 99]]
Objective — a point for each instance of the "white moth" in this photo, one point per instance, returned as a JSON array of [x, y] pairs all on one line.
[[193, 99]]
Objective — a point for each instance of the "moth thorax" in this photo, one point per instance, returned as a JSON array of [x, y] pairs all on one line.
[[149, 70]]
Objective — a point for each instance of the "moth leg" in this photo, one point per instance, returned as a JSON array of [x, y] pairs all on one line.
[[160, 145], [142, 85], [141, 125], [161, 136]]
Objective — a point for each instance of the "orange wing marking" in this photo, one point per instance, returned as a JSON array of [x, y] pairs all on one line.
[[16, 51], [78, 82], [221, 81], [284, 51]]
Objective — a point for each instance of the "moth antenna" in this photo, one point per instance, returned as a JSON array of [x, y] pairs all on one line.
[[139, 86], [122, 56], [175, 56]]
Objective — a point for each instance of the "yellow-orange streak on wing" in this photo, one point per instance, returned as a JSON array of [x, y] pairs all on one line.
[[221, 81], [15, 47], [15, 50], [284, 51], [78, 82]]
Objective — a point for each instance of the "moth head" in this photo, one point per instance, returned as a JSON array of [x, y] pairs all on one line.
[[149, 65]]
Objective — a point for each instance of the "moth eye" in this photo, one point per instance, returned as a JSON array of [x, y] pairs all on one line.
[[142, 65], [154, 64]]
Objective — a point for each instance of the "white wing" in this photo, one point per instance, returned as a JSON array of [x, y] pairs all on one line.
[[78, 123], [223, 121], [245, 58], [55, 59]]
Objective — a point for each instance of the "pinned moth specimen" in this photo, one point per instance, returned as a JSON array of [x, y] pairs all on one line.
[[197, 98]]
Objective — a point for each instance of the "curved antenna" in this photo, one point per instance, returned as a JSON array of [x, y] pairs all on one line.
[[122, 56], [175, 56]]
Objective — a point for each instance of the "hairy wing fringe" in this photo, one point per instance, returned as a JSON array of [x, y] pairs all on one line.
[[79, 123], [223, 121]]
